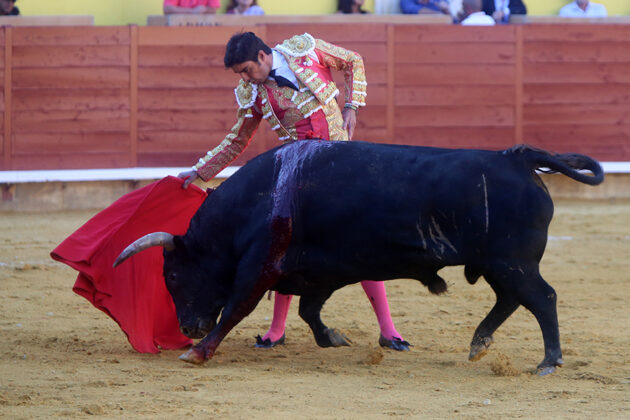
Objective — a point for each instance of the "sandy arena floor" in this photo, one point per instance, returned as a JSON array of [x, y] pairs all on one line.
[[62, 358]]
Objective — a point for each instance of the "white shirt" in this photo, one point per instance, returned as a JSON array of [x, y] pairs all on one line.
[[593, 10], [281, 67], [503, 6], [478, 19]]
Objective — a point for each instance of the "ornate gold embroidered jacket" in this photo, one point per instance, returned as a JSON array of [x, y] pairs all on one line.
[[309, 112]]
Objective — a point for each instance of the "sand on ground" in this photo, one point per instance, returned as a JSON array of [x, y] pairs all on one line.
[[62, 358]]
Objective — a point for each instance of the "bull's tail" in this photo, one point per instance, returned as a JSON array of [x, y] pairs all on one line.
[[569, 164]]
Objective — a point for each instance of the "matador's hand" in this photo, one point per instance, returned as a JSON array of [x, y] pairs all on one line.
[[189, 177], [349, 121]]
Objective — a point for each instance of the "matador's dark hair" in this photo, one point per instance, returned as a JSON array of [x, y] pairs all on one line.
[[243, 47]]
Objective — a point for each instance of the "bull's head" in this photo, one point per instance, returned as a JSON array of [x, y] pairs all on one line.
[[188, 275]]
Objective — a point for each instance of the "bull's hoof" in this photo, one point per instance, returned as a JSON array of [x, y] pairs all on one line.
[[479, 348], [333, 338], [193, 356], [267, 343], [546, 368], [396, 343]]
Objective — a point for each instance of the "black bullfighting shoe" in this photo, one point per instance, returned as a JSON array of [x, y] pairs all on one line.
[[395, 343], [267, 343]]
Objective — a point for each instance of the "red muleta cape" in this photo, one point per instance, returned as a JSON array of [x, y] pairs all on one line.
[[134, 293]]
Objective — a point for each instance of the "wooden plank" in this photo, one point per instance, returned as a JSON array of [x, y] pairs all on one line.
[[55, 143], [37, 161], [190, 35], [605, 142], [413, 34], [78, 35], [578, 33], [484, 137], [8, 99], [371, 52], [577, 73], [186, 77], [372, 116], [566, 93], [335, 18], [70, 99], [72, 78], [336, 33], [187, 99], [518, 87], [585, 114], [220, 121], [133, 96], [179, 141], [454, 74], [54, 20], [454, 116], [456, 52], [571, 52], [391, 84], [71, 56], [71, 121], [375, 135], [181, 55], [455, 95]]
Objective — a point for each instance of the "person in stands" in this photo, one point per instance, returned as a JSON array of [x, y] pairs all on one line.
[[7, 8], [501, 10], [583, 9], [474, 16], [191, 7], [245, 8], [350, 7]]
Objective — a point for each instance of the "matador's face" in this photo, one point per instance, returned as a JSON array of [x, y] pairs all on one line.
[[255, 71]]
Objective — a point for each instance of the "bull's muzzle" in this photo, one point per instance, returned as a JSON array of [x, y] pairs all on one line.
[[200, 330]]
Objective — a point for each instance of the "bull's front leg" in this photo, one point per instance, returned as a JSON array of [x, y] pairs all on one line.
[[233, 313], [262, 265]]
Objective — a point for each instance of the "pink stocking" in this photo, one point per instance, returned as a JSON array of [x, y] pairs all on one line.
[[375, 291], [280, 311]]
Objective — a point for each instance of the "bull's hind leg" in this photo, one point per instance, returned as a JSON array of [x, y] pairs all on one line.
[[540, 299], [505, 305], [310, 309], [521, 284]]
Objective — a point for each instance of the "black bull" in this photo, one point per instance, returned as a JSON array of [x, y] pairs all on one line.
[[310, 217]]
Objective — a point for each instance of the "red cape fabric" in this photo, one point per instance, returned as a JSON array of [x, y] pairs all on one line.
[[134, 293]]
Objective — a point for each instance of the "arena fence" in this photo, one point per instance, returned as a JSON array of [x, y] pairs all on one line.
[[118, 97]]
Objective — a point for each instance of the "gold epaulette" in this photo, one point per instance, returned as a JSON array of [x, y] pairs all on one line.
[[246, 94], [298, 45]]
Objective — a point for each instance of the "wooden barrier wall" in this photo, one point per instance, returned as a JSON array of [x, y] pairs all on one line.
[[109, 97]]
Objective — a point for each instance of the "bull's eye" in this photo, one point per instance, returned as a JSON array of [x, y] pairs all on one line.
[[171, 278]]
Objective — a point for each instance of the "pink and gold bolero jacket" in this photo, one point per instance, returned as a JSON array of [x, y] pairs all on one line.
[[309, 112]]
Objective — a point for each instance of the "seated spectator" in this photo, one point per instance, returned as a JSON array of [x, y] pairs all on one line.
[[583, 8], [350, 6], [474, 16], [413, 7], [190, 7], [501, 10], [7, 8], [387, 7], [245, 8]]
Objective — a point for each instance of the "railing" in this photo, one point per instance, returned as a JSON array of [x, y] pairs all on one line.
[[112, 97]]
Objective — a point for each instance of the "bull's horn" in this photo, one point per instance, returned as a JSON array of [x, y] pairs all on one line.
[[163, 239]]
